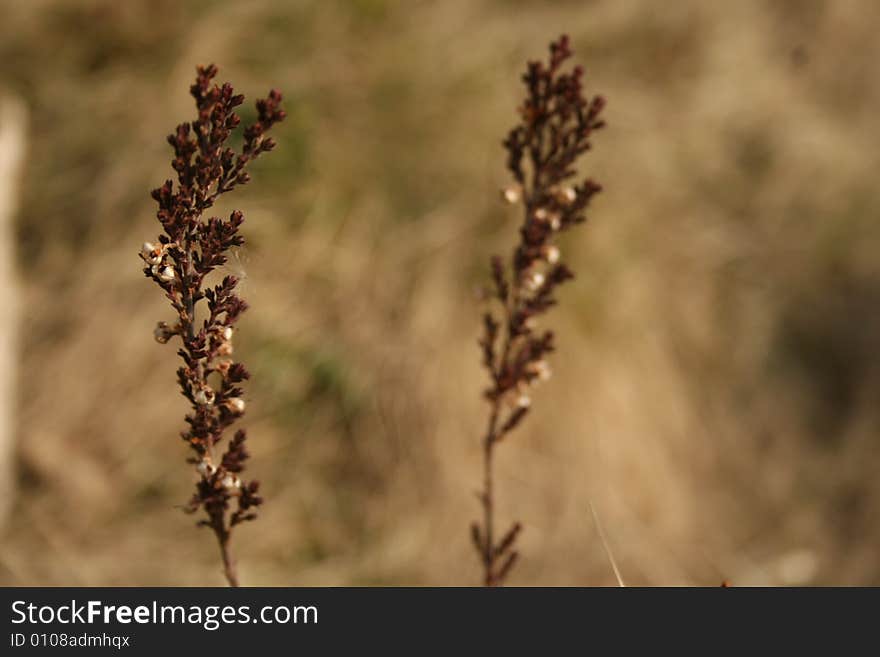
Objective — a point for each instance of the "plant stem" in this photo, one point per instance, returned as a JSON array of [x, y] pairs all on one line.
[[229, 568], [488, 496]]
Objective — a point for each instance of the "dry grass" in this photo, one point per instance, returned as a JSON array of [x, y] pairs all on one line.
[[715, 391]]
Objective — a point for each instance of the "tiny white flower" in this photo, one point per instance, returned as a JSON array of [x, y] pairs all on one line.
[[516, 398], [166, 274], [512, 194], [231, 481], [205, 467], [204, 396], [550, 253], [541, 214], [534, 281], [555, 221], [567, 195], [151, 253], [225, 349], [226, 333], [541, 369]]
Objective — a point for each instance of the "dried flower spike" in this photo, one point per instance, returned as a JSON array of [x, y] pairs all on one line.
[[189, 249], [557, 123]]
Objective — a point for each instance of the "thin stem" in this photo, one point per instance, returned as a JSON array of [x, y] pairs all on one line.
[[223, 539], [488, 499]]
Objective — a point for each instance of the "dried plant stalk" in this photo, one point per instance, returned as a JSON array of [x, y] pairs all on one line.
[[189, 249], [556, 126]]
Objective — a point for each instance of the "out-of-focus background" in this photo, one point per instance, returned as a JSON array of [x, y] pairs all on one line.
[[716, 385]]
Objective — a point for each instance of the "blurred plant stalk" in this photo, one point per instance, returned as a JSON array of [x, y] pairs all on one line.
[[556, 126], [13, 145]]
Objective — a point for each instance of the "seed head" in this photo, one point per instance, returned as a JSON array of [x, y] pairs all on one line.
[[189, 249], [555, 127]]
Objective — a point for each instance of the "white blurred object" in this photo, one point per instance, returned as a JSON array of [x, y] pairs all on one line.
[[13, 119], [798, 567]]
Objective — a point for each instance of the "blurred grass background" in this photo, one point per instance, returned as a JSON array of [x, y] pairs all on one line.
[[716, 384]]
